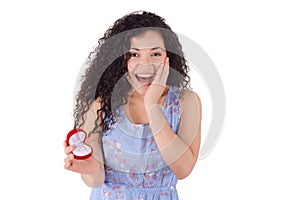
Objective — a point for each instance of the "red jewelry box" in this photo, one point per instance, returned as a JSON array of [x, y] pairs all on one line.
[[77, 137]]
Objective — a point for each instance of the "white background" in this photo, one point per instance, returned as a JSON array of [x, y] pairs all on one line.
[[255, 46]]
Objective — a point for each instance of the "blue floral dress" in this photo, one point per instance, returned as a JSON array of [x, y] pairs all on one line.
[[134, 168]]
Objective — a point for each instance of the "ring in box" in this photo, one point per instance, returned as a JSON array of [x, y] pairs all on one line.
[[76, 137]]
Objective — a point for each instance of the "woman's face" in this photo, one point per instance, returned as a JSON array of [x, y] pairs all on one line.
[[147, 53]]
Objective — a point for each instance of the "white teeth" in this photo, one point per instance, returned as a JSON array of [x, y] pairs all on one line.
[[145, 75]]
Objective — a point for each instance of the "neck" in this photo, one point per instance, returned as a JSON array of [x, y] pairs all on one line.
[[135, 97]]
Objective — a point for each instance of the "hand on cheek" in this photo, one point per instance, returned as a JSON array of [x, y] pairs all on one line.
[[158, 85]]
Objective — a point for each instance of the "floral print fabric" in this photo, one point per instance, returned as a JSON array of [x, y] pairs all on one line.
[[134, 168]]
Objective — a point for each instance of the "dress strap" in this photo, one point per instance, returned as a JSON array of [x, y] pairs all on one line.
[[171, 109]]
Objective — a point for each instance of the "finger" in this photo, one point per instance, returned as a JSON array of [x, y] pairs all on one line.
[[67, 164], [163, 72], [65, 144], [70, 157], [72, 166], [165, 75], [166, 70], [166, 65], [69, 161], [167, 62], [158, 73], [69, 149]]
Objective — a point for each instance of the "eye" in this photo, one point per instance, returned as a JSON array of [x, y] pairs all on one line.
[[156, 54], [132, 54]]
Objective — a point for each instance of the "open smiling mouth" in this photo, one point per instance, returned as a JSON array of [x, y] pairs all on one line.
[[145, 78]]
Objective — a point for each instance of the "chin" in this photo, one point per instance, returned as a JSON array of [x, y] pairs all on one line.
[[142, 89]]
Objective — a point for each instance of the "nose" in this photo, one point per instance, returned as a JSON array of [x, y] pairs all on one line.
[[145, 65], [145, 60]]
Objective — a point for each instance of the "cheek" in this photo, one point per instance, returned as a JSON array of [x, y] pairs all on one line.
[[131, 65], [161, 60]]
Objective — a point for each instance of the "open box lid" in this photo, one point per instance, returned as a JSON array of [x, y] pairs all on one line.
[[76, 138]]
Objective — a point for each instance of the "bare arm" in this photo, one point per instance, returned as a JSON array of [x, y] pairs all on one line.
[[91, 169], [97, 178], [180, 151]]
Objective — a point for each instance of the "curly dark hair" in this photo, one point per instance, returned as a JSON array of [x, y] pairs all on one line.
[[107, 65]]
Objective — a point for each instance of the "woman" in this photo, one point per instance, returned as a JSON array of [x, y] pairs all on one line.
[[143, 120]]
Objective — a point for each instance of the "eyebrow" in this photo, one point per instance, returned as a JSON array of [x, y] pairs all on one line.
[[154, 48]]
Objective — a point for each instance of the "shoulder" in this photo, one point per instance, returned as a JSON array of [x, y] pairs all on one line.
[[189, 96], [189, 100], [91, 116], [96, 105]]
